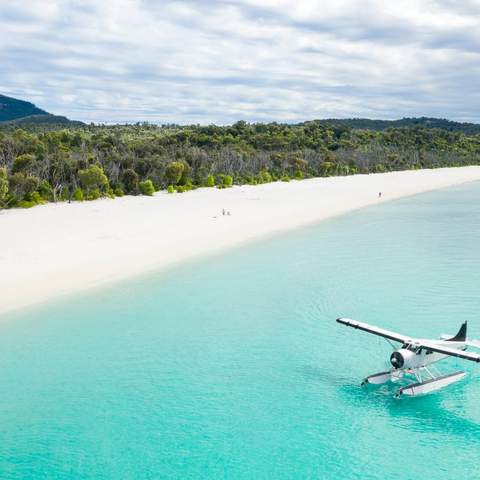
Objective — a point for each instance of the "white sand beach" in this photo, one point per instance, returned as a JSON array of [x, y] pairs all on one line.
[[62, 248]]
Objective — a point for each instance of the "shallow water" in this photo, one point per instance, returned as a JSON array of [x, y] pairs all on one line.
[[233, 367]]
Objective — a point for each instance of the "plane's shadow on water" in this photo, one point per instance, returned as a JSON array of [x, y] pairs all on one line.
[[432, 412]]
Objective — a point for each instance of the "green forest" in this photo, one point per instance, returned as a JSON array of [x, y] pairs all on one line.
[[41, 164]]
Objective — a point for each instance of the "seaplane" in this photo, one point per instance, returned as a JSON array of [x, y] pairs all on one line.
[[415, 359]]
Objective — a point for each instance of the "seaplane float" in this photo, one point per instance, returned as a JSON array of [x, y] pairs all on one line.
[[416, 357]]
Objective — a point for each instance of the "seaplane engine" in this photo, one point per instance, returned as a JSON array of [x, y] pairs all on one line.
[[402, 358]]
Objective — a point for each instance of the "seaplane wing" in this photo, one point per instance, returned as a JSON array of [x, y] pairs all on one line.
[[396, 337], [472, 343], [453, 352]]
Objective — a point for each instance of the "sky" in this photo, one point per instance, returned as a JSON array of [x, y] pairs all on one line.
[[213, 61]]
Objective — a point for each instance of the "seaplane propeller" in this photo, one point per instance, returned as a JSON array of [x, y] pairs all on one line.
[[416, 358]]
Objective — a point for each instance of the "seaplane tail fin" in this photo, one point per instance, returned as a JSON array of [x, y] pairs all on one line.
[[461, 335]]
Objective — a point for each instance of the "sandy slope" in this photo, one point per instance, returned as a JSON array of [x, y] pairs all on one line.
[[60, 248]]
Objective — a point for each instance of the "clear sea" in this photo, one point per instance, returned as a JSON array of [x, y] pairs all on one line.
[[234, 367]]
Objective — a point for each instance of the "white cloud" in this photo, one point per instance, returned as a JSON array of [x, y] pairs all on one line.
[[218, 61]]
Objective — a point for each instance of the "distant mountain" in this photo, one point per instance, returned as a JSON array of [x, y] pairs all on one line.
[[21, 112], [427, 122], [47, 120], [11, 109]]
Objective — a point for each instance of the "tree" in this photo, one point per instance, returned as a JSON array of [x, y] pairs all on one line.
[[130, 181], [224, 181], [46, 191], [118, 192], [78, 195], [93, 178], [3, 185], [265, 176], [228, 180], [24, 163], [210, 181], [22, 185], [326, 169], [62, 173], [147, 188], [174, 172]]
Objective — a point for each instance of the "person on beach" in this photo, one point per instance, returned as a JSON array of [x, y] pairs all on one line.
[[379, 194]]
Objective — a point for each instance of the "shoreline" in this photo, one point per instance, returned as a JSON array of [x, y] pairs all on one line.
[[58, 249]]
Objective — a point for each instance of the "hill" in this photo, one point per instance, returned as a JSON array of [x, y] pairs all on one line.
[[48, 121], [427, 122], [12, 109], [20, 112]]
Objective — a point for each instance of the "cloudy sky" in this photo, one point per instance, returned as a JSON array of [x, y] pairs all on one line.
[[213, 61]]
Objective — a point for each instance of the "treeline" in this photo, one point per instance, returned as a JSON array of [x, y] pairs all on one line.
[[88, 162], [427, 122]]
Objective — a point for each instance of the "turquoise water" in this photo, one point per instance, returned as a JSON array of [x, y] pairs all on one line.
[[234, 367]]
